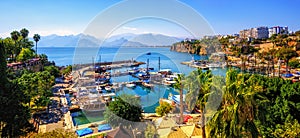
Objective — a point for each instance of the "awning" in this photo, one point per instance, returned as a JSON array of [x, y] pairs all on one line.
[[104, 127], [287, 75], [176, 98], [186, 118], [83, 132]]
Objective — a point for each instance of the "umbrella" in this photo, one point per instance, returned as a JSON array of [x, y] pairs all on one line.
[[288, 75], [83, 132], [186, 118], [104, 127]]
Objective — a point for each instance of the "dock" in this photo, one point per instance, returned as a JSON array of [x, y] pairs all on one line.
[[112, 65]]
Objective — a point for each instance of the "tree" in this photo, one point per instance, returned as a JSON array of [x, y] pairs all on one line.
[[36, 38], [163, 109], [24, 33], [289, 129], [9, 47], [286, 54], [3, 75], [53, 70], [28, 83], [198, 84], [67, 70], [42, 101], [179, 85], [15, 36], [44, 83], [237, 113], [44, 60], [57, 133], [125, 110], [294, 63], [151, 131], [297, 33], [14, 115], [25, 55]]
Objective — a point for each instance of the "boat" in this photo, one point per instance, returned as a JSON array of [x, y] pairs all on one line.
[[133, 71], [169, 81], [99, 89], [108, 88], [74, 108], [93, 106], [214, 65], [146, 83], [130, 85], [137, 96]]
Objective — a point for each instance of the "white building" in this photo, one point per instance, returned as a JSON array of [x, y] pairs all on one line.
[[261, 33], [278, 30], [257, 33]]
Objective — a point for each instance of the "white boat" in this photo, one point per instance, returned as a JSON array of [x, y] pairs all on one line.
[[130, 85], [98, 88], [169, 81], [133, 71], [107, 88]]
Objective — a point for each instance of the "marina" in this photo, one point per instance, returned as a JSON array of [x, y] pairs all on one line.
[[96, 85], [96, 88]]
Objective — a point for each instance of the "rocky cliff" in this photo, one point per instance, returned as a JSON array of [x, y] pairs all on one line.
[[200, 47]]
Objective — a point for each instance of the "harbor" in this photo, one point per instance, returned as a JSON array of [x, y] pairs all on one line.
[[95, 85]]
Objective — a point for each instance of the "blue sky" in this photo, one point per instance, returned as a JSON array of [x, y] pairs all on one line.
[[66, 17]]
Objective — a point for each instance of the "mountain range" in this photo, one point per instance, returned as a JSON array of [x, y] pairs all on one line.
[[116, 40]]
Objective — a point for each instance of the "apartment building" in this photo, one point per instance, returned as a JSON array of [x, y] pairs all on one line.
[[278, 30]]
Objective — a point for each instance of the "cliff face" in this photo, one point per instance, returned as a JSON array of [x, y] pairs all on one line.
[[200, 47], [181, 47], [189, 48]]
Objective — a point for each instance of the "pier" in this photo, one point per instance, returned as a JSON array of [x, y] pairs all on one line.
[[113, 64]]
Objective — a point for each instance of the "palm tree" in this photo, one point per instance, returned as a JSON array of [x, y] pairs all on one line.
[[15, 36], [237, 113], [36, 38], [179, 85], [198, 84], [24, 33]]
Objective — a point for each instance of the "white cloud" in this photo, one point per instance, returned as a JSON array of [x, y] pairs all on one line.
[[129, 28]]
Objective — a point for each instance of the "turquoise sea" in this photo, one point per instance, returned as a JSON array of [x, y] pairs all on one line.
[[149, 97], [63, 56]]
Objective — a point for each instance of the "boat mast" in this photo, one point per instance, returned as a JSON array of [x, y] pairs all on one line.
[[147, 66], [158, 63]]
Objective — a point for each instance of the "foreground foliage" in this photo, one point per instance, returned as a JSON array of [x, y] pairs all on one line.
[[21, 87], [163, 109], [125, 110], [251, 105], [58, 133]]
